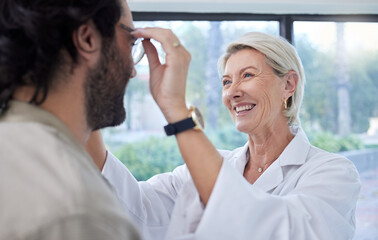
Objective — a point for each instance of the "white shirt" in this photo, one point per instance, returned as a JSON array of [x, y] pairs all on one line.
[[50, 188], [306, 193]]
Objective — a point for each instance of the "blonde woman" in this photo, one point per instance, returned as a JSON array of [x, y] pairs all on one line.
[[276, 186]]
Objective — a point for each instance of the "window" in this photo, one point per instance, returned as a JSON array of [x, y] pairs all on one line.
[[340, 107], [339, 112]]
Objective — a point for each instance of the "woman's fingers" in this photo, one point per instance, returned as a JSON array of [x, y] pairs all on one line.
[[176, 54], [168, 80], [165, 37]]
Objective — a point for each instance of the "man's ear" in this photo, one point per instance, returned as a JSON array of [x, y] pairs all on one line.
[[87, 41], [291, 82]]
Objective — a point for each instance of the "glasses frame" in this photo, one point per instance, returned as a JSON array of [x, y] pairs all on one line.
[[137, 44]]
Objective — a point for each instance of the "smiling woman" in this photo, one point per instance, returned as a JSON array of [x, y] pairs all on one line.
[[316, 42], [143, 130], [276, 169]]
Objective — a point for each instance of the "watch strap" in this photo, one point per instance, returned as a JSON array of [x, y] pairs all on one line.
[[180, 126]]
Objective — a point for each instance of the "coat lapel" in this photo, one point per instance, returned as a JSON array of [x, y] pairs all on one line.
[[271, 178]]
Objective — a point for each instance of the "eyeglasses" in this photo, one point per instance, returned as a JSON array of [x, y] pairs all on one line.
[[137, 50]]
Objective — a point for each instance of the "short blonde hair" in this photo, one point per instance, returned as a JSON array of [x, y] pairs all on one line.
[[281, 56]]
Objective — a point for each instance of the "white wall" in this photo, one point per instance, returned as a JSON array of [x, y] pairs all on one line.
[[258, 6]]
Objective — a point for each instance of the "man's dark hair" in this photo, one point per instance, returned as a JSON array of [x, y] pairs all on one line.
[[33, 32]]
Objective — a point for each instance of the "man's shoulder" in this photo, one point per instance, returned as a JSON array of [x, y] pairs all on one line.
[[39, 149], [28, 137], [96, 225], [41, 153], [47, 178]]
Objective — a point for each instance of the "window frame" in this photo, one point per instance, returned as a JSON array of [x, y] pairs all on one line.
[[286, 21]]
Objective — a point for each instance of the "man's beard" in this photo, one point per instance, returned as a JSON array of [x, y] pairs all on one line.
[[105, 88]]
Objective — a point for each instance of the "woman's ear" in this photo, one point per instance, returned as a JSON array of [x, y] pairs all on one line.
[[291, 82], [87, 41]]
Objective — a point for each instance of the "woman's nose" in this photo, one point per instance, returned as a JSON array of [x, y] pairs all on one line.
[[233, 91]]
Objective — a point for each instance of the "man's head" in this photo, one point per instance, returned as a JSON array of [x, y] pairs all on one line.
[[40, 40], [105, 87], [106, 83]]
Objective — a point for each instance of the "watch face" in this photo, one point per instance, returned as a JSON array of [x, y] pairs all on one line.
[[197, 118]]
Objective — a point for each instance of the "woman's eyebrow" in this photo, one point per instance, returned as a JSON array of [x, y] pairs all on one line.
[[247, 67], [242, 70]]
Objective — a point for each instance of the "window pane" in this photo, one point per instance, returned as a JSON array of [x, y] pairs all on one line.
[[340, 109]]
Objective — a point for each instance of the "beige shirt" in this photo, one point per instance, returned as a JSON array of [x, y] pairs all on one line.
[[49, 186]]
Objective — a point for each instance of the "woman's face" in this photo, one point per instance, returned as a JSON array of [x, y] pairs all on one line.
[[252, 92]]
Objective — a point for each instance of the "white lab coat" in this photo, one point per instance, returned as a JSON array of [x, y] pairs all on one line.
[[305, 194]]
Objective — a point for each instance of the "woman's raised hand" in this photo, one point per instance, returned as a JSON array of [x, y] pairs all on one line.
[[168, 80]]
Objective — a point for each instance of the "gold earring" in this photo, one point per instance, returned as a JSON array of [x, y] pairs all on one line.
[[285, 103]]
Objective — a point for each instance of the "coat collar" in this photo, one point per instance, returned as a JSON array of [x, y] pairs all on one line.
[[294, 154]]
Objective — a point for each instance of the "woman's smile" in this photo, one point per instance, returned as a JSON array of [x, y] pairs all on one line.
[[243, 109]]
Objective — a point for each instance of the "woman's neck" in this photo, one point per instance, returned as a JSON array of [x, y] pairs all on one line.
[[267, 145]]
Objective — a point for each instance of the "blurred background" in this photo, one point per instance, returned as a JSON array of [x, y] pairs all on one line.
[[338, 44]]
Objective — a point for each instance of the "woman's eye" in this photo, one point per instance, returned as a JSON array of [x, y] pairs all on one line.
[[226, 82], [247, 75]]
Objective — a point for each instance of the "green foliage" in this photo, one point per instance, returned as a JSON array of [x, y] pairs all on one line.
[[320, 101], [227, 137], [333, 143], [326, 141], [158, 155], [371, 146], [320, 104], [150, 157], [195, 41], [350, 142], [364, 89]]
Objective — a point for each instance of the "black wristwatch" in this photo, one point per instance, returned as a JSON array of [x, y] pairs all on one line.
[[194, 121]]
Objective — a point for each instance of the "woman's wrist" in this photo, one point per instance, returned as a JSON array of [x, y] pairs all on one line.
[[176, 115]]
